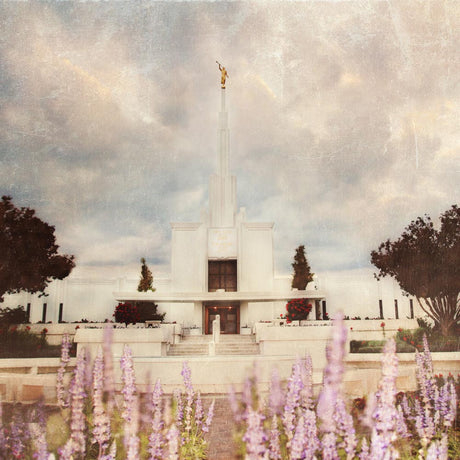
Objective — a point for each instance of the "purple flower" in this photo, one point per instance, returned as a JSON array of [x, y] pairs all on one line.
[[198, 411], [333, 372], [101, 421], [62, 395], [234, 406], [328, 445], [292, 402], [179, 406], [311, 433], [299, 440], [438, 450], [130, 411], [276, 396], [172, 437], [209, 417], [385, 413], [345, 428], [38, 434], [187, 376], [274, 446], [109, 380], [255, 437], [76, 445], [18, 434], [364, 454], [306, 393], [156, 438]]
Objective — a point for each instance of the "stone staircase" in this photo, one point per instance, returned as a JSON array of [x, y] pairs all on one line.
[[230, 344]]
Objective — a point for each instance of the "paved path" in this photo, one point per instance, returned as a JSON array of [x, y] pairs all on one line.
[[220, 434]]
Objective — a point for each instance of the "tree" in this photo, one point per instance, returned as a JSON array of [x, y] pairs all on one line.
[[29, 258], [302, 272], [425, 262], [146, 281], [147, 309]]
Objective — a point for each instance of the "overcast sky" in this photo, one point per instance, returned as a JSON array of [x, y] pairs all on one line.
[[344, 120]]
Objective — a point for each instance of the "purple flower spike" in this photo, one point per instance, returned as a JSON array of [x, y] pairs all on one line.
[[62, 395], [276, 397], [130, 411], [294, 388], [38, 434], [109, 379], [255, 437], [76, 445], [198, 411], [18, 435], [234, 406], [311, 434], [274, 440], [438, 450], [299, 440], [101, 420], [328, 445], [209, 417], [335, 352], [385, 414], [306, 394], [345, 428], [173, 442]]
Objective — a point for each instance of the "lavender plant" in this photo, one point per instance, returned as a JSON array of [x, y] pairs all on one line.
[[289, 425], [62, 395], [190, 420]]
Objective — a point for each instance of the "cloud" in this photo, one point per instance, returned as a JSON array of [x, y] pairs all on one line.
[[343, 119]]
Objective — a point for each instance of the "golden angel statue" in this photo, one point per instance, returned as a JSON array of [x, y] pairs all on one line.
[[224, 75]]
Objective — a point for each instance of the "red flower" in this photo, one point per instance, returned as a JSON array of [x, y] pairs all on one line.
[[44, 331], [351, 328], [399, 329], [412, 342], [28, 328], [405, 339], [382, 324], [77, 327]]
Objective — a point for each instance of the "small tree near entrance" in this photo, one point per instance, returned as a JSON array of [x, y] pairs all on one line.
[[147, 310], [425, 262], [146, 281], [302, 272]]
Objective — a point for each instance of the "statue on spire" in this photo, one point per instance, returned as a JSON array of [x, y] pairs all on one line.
[[224, 75]]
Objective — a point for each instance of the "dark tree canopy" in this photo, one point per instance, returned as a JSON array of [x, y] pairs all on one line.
[[302, 272], [425, 261], [146, 281], [29, 257]]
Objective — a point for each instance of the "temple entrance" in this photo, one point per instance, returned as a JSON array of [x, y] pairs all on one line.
[[229, 318]]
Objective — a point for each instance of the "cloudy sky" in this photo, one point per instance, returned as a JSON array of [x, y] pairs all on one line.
[[344, 120]]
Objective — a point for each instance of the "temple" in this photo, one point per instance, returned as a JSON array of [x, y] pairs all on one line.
[[224, 264]]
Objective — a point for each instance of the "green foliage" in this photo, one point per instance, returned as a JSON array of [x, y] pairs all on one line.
[[29, 257], [302, 272], [148, 312], [21, 343], [126, 313], [436, 341], [9, 316], [425, 262], [146, 281]]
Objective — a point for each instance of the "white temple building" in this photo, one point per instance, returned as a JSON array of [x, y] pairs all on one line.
[[224, 264]]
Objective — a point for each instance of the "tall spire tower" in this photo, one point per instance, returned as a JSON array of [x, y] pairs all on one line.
[[222, 186]]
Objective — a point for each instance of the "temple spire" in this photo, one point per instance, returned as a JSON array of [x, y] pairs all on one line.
[[222, 186]]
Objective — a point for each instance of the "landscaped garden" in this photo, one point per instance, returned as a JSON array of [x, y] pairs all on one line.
[[290, 422]]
